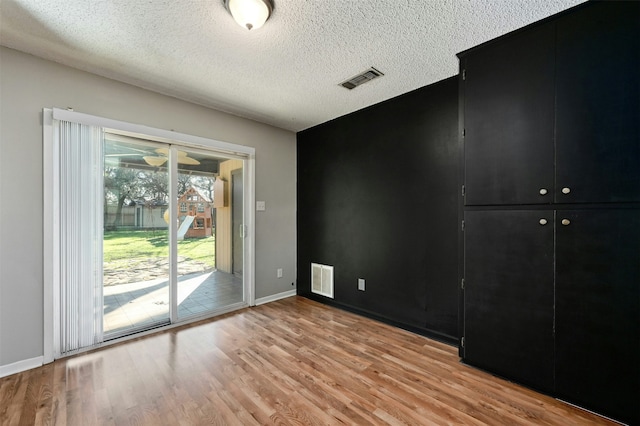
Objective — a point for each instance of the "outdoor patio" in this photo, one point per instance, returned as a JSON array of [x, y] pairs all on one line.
[[128, 307]]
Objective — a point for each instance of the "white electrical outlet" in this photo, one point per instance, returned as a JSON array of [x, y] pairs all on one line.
[[361, 284], [279, 272], [261, 206]]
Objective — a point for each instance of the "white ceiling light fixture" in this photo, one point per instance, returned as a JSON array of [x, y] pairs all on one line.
[[250, 14]]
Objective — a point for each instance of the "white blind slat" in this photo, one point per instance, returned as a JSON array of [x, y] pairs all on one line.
[[80, 224]]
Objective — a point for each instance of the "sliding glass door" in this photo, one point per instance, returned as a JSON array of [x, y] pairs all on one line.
[[138, 209], [205, 244], [143, 227], [196, 257], [135, 237]]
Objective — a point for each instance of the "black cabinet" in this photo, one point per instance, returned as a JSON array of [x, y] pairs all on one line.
[[598, 310], [551, 132], [508, 326], [573, 332], [508, 118], [598, 98], [551, 113]]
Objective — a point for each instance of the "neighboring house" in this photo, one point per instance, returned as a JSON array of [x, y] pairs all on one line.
[[195, 203]]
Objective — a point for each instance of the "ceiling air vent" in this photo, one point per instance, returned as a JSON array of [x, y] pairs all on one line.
[[361, 78]]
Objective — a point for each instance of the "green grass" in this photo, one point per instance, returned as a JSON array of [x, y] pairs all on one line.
[[129, 248]]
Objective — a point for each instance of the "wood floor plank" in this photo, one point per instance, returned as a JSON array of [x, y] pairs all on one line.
[[290, 362]]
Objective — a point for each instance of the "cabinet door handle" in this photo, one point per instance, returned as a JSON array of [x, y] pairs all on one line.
[[566, 190], [543, 221], [543, 191], [565, 222]]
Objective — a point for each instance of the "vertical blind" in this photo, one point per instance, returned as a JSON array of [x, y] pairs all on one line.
[[78, 293]]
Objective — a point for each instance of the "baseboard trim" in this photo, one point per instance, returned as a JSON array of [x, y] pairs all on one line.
[[20, 366], [274, 297]]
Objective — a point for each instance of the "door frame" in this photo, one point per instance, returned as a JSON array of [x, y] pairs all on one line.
[[236, 233], [51, 234]]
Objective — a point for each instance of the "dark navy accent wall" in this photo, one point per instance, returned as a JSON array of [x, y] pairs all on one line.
[[377, 199]]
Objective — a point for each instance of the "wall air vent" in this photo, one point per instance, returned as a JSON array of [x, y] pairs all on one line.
[[361, 78], [322, 279]]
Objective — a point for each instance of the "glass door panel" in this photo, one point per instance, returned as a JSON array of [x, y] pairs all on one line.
[[205, 278], [136, 236]]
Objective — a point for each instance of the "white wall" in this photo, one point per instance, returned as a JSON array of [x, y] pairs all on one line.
[[28, 84]]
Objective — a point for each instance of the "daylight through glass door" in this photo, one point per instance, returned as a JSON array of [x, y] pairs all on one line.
[[205, 278], [136, 236], [141, 289]]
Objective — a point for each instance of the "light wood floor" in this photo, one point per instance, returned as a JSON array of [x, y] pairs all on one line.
[[288, 362]]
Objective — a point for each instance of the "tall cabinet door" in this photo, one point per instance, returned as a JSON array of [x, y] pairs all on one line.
[[508, 296], [598, 311], [508, 119], [598, 141]]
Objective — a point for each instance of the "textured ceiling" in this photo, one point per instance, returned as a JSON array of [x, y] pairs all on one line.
[[286, 73]]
